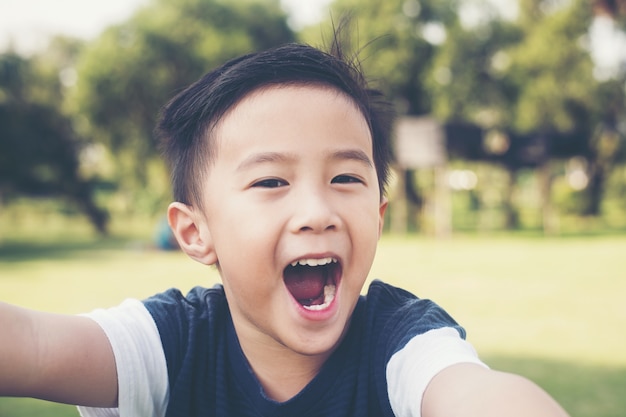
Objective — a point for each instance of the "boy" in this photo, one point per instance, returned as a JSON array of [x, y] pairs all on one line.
[[279, 161]]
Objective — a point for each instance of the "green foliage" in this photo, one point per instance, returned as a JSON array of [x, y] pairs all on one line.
[[39, 150], [530, 74], [134, 68], [392, 42], [554, 72], [467, 81], [15, 74]]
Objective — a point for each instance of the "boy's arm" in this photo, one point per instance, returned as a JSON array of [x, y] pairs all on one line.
[[55, 357], [470, 390]]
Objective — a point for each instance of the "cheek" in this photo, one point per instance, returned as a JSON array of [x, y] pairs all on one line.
[[240, 222], [244, 242], [366, 214], [365, 226]]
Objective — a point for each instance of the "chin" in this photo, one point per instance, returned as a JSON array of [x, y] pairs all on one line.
[[320, 343]]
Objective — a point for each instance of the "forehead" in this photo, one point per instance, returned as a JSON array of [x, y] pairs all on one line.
[[292, 115], [265, 99]]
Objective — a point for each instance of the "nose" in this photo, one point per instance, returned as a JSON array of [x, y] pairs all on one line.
[[314, 211]]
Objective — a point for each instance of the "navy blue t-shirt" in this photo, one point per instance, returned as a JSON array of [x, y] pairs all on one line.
[[210, 376]]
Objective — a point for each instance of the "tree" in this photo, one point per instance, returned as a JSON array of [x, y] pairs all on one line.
[[39, 149], [128, 73], [467, 81], [396, 41], [529, 79]]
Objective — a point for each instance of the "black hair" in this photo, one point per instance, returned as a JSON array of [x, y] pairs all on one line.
[[187, 121]]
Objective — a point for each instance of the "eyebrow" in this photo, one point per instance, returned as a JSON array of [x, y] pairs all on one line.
[[354, 155], [275, 157], [264, 157]]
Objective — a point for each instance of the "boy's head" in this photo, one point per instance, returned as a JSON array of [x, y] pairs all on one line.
[[279, 161], [188, 121]]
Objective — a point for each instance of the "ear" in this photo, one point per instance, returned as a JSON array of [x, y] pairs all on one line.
[[381, 213], [191, 232]]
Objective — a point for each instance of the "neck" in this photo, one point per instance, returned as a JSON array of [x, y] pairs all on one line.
[[282, 372]]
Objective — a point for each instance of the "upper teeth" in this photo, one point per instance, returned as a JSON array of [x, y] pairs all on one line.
[[314, 262]]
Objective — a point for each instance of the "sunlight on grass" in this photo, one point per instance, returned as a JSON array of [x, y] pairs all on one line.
[[554, 298], [549, 309], [26, 407], [99, 278]]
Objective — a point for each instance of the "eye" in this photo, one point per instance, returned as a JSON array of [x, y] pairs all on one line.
[[346, 179], [270, 183]]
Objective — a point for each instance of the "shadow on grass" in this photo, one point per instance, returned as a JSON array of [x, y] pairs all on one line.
[[539, 233], [583, 390], [20, 251]]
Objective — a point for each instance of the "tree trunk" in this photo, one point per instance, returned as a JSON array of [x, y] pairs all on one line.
[[511, 215], [550, 220]]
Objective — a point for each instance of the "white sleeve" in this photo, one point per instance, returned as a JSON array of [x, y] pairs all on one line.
[[411, 369], [143, 387]]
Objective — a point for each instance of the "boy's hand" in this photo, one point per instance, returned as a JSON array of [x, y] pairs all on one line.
[[55, 357], [471, 390]]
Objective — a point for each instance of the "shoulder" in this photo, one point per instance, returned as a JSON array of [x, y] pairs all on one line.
[[184, 322], [384, 296], [195, 298], [172, 305], [189, 326], [403, 315], [419, 340]]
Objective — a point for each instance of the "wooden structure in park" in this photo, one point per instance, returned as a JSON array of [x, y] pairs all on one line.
[[422, 143]]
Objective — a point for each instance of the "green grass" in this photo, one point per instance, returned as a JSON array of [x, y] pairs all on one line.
[[551, 309]]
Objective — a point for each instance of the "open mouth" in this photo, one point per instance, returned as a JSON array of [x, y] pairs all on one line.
[[313, 282]]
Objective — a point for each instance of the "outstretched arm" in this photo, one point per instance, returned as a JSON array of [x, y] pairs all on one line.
[[470, 390], [55, 357]]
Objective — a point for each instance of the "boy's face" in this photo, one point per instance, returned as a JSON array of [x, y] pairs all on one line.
[[293, 183]]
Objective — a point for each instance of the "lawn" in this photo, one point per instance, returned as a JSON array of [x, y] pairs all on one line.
[[551, 309]]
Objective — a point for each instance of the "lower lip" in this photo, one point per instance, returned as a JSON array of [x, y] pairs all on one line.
[[318, 315]]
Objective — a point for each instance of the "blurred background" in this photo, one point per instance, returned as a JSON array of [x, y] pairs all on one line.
[[508, 196], [512, 114]]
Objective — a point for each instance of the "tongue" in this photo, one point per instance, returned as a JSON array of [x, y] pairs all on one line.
[[305, 283]]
